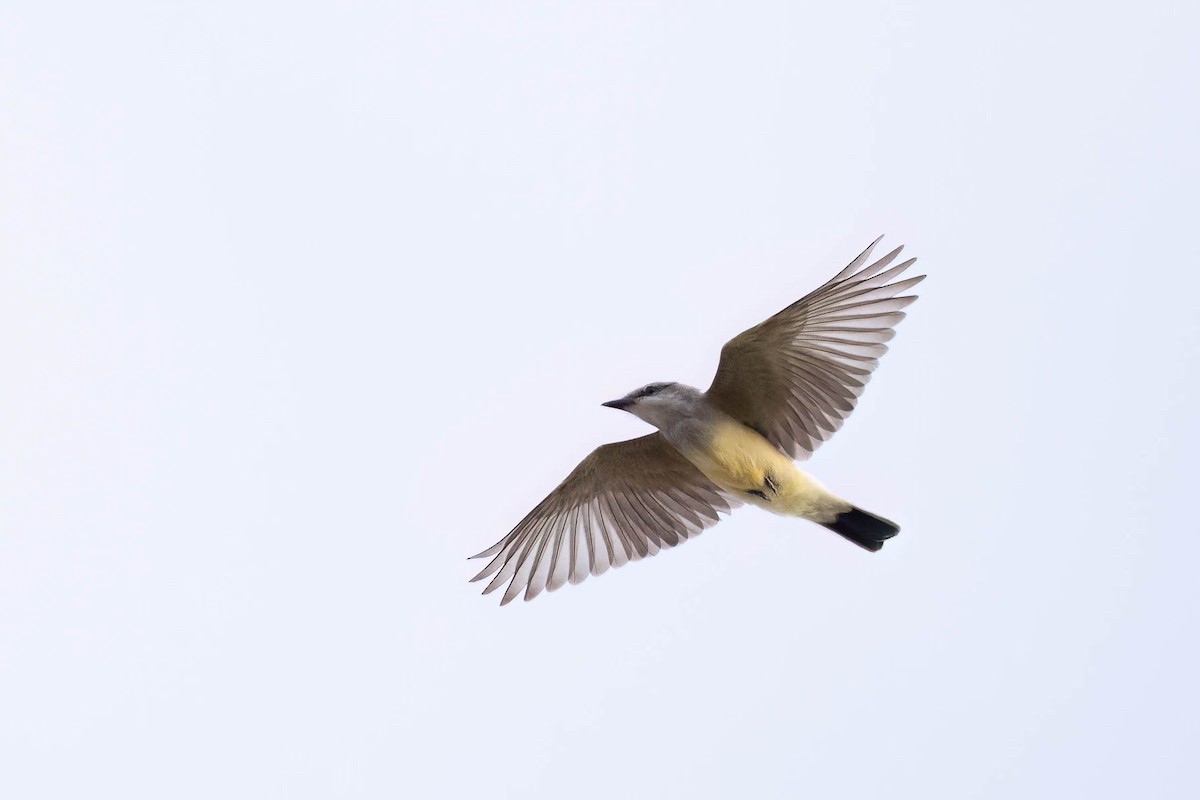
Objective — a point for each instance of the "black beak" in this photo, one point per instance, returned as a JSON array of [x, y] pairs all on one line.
[[620, 405]]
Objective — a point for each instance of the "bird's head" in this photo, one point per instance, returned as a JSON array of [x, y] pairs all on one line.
[[658, 403]]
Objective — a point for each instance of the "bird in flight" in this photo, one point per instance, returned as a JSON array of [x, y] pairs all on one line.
[[781, 389]]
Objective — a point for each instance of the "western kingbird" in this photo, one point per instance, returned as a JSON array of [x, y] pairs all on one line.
[[781, 389]]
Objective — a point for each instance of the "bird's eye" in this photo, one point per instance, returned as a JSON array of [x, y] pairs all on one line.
[[649, 390]]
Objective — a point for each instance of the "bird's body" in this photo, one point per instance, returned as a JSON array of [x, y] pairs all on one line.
[[782, 388], [742, 462]]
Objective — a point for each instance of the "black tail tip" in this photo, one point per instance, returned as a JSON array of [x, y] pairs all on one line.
[[863, 528]]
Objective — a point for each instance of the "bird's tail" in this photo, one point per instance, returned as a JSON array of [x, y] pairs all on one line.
[[863, 528]]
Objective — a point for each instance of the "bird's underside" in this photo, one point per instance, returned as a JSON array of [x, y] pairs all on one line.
[[791, 380]]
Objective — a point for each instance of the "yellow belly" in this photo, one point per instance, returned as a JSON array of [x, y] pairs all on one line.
[[739, 460]]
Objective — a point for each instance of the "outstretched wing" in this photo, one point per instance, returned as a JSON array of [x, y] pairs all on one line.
[[625, 501], [796, 376]]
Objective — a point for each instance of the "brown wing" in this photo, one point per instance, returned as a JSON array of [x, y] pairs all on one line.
[[795, 377], [625, 501]]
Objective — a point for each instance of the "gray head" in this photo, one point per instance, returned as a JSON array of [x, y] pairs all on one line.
[[660, 404]]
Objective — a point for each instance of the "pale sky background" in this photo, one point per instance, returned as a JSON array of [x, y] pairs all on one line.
[[301, 304]]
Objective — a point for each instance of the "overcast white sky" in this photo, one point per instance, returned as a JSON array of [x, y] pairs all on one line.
[[301, 304]]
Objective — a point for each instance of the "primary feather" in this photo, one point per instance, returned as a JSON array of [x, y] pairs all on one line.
[[625, 501]]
